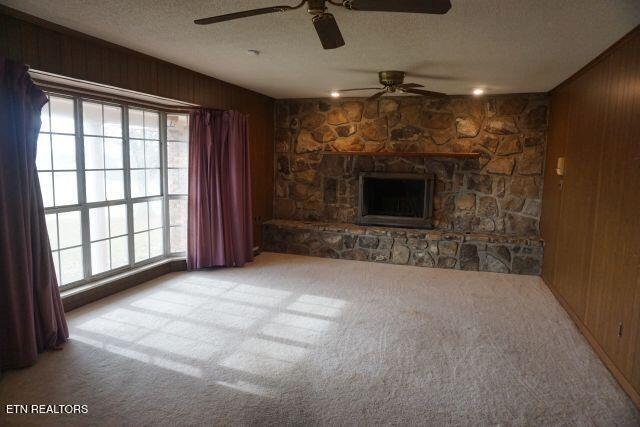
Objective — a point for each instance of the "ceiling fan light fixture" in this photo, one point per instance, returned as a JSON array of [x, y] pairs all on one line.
[[478, 91], [335, 94]]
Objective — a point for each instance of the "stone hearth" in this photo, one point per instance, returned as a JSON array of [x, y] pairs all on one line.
[[486, 211], [424, 248]]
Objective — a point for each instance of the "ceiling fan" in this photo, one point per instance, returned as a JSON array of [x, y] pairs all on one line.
[[393, 81], [324, 22]]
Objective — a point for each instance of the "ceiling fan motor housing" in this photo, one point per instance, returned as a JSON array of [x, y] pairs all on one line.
[[316, 7], [391, 78]]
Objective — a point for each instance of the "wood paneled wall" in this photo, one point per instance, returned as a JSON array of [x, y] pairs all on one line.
[[591, 216], [51, 48]]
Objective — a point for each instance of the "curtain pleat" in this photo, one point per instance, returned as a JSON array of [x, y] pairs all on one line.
[[31, 313], [220, 232]]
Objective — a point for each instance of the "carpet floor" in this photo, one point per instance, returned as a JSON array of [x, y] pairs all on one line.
[[292, 340]]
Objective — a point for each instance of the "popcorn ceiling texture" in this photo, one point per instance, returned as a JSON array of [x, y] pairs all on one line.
[[498, 193], [512, 46]]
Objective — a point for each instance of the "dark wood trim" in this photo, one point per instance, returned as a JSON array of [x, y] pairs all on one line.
[[83, 295], [602, 355], [400, 154], [611, 49]]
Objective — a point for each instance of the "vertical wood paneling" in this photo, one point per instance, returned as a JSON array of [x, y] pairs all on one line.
[[48, 47], [616, 255], [575, 221], [592, 258], [549, 219]]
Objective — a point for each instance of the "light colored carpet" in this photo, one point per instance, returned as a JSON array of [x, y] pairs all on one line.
[[307, 341]]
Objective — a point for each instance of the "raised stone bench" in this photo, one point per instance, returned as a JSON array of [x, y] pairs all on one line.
[[425, 248]]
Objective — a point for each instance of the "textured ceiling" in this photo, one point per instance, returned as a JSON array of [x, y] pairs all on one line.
[[504, 46]]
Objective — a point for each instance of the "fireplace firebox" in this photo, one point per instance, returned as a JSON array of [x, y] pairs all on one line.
[[396, 199]]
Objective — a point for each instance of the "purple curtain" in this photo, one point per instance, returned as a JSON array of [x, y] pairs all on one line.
[[220, 230], [31, 314]]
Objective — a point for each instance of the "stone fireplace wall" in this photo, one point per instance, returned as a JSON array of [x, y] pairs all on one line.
[[499, 192]]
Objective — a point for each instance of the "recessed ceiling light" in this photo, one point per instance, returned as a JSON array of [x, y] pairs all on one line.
[[478, 91], [335, 94]]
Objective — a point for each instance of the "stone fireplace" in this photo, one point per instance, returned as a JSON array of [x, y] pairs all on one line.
[[395, 199], [485, 210]]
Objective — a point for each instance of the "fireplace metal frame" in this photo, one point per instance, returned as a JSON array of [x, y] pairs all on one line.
[[398, 221]]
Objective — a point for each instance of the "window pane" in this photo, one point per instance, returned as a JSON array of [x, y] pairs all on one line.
[[64, 151], [152, 154], [46, 187], [92, 118], [66, 188], [71, 265], [155, 214], [93, 153], [100, 258], [99, 223], [178, 239], [178, 127], [151, 125], [43, 156], [178, 181], [136, 126], [118, 220], [115, 185], [44, 117], [56, 264], [136, 150], [113, 153], [137, 183], [52, 229], [112, 121], [70, 229], [119, 252], [95, 186], [62, 116], [177, 154], [141, 244], [140, 217], [153, 182], [156, 246], [104, 180], [178, 212]]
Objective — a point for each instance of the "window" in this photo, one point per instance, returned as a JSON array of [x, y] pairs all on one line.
[[114, 185], [177, 173]]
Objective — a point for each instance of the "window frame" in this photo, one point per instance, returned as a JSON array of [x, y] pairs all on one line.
[[84, 207]]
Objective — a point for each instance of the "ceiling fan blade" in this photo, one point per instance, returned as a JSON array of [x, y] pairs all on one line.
[[425, 93], [245, 14], [328, 31], [429, 76], [376, 96], [410, 85], [360, 88], [438, 7]]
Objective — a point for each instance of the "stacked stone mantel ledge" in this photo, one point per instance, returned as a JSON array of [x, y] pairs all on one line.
[[476, 251]]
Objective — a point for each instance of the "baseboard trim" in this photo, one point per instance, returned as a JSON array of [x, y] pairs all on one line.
[[617, 374], [82, 295]]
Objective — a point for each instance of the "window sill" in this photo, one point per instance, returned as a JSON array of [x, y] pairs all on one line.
[[93, 291]]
